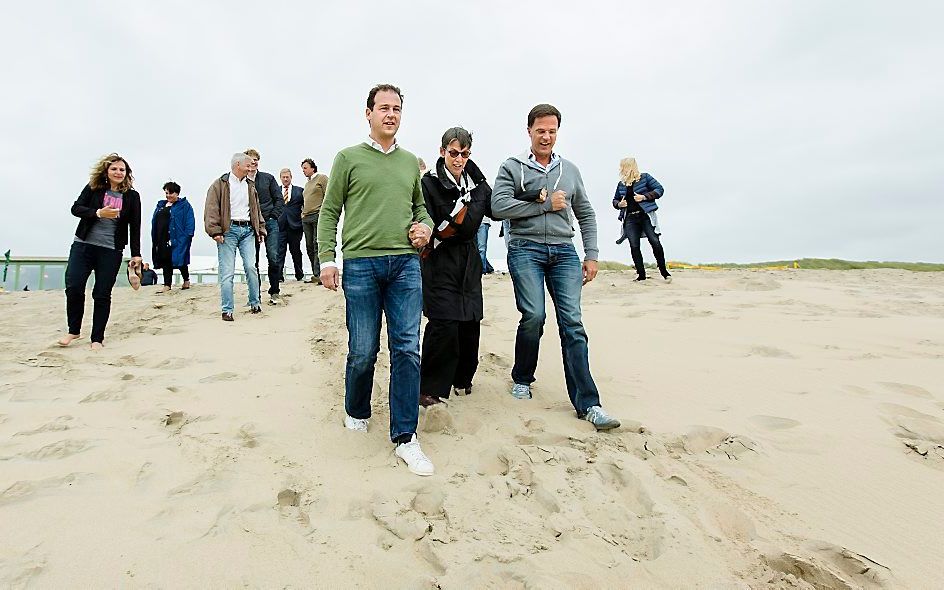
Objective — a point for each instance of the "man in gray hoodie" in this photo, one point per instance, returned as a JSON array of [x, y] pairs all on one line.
[[540, 193]]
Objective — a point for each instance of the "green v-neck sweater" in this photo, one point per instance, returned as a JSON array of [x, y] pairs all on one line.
[[381, 197]]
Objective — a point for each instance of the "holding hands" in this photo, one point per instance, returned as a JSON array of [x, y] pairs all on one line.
[[419, 234]]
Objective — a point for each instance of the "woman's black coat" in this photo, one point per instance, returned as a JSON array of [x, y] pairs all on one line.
[[452, 273]]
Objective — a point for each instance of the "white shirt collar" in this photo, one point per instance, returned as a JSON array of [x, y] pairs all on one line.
[[554, 158], [379, 148], [234, 178]]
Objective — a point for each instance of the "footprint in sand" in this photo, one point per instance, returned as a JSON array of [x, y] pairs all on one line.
[[172, 364], [109, 395], [823, 565], [912, 390], [436, 419], [773, 422], [497, 360], [58, 424], [25, 489], [921, 434], [58, 450], [715, 442], [770, 352], [224, 376]]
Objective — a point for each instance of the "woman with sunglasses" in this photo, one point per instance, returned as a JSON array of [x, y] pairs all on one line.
[[457, 197], [109, 212]]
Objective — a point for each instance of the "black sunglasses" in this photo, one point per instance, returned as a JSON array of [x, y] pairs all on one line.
[[455, 154]]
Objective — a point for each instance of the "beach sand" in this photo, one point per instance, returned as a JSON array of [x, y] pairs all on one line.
[[781, 429]]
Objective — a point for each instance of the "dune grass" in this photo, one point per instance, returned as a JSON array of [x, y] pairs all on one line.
[[803, 263]]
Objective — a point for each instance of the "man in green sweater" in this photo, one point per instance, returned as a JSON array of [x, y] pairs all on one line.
[[377, 184]]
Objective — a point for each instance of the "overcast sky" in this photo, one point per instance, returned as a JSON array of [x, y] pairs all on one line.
[[779, 129]]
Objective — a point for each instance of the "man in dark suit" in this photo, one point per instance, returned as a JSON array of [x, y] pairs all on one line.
[[271, 203], [290, 225]]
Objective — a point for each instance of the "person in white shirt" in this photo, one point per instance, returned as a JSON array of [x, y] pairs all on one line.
[[233, 219]]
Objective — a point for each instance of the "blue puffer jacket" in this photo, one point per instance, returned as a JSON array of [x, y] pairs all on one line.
[[181, 230], [646, 186]]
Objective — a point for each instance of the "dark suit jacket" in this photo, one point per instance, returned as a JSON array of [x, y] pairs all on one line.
[[270, 195], [291, 217]]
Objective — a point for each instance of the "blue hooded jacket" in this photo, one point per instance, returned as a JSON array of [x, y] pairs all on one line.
[[646, 186], [181, 230]]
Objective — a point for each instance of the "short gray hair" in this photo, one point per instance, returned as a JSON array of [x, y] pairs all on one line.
[[457, 134], [239, 158]]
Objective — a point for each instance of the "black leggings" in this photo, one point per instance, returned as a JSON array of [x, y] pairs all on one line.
[[635, 226], [169, 274], [450, 356], [84, 259]]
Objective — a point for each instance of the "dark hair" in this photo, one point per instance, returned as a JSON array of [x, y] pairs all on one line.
[[380, 88], [172, 186], [543, 110], [457, 134], [311, 163]]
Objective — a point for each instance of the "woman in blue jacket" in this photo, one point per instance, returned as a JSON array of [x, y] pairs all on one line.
[[635, 198], [172, 227]]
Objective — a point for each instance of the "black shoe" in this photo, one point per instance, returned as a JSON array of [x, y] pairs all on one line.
[[227, 317], [429, 400], [255, 309], [638, 279]]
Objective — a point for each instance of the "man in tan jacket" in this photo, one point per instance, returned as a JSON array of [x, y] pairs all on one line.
[[314, 193], [233, 219]]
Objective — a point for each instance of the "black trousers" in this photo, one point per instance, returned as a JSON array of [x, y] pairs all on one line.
[[310, 228], [169, 274], [635, 226], [291, 240], [84, 259], [450, 356]]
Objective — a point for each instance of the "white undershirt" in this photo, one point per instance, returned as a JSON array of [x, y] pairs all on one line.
[[238, 199]]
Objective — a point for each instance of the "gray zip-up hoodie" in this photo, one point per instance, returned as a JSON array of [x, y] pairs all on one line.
[[536, 221]]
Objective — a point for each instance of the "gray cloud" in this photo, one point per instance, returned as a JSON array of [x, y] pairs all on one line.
[[779, 129]]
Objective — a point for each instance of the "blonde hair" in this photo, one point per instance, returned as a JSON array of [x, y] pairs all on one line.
[[253, 154], [284, 170], [98, 179], [629, 171]]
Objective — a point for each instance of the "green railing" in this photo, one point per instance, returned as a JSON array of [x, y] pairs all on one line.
[[49, 273]]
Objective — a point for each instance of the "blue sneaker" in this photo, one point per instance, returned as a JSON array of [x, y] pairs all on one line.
[[521, 391]]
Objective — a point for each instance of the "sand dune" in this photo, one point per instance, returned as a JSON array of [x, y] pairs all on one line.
[[781, 430]]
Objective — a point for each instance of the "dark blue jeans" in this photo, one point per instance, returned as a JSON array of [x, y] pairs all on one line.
[[272, 255], [391, 285], [533, 265]]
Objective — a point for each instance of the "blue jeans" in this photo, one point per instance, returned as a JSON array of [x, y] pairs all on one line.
[[482, 239], [272, 255], [391, 285], [531, 266], [242, 238]]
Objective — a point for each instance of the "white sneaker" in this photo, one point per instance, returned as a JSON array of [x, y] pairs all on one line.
[[414, 457], [358, 424]]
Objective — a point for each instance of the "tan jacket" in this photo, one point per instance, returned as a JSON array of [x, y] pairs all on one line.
[[216, 214], [314, 194]]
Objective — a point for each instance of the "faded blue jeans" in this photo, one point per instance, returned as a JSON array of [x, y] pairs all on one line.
[[532, 265], [482, 241], [391, 285], [242, 238]]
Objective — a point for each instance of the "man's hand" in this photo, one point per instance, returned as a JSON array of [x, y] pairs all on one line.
[[589, 270], [542, 197], [329, 277], [260, 237], [558, 200], [639, 198], [623, 204], [108, 212], [219, 239], [419, 234]]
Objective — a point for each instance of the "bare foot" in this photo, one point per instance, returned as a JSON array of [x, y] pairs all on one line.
[[165, 289], [96, 346], [67, 339], [186, 285]]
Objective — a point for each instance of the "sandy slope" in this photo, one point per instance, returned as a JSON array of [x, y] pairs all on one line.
[[793, 438]]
